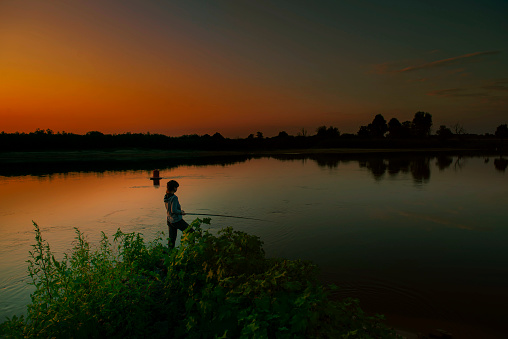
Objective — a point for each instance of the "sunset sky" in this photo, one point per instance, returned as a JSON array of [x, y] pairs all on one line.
[[238, 67]]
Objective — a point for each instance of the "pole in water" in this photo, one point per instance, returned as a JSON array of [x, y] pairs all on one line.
[[156, 178]]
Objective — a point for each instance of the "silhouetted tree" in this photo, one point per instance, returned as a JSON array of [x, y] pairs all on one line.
[[39, 131], [458, 129], [282, 134], [333, 132], [363, 132], [502, 131], [378, 127], [444, 132], [302, 132], [330, 132], [259, 135], [422, 122], [398, 130], [394, 128], [321, 131], [94, 134], [218, 136]]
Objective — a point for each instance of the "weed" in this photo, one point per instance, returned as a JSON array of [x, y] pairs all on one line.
[[211, 286]]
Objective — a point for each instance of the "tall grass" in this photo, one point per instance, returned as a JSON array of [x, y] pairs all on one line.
[[219, 286]]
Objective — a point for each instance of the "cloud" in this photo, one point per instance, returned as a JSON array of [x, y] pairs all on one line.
[[446, 62], [499, 85], [457, 93], [487, 94], [395, 68], [489, 90], [419, 80], [381, 68]]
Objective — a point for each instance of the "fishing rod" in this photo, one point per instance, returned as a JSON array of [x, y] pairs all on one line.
[[224, 216]]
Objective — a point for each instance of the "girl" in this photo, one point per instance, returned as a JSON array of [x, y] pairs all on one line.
[[174, 212]]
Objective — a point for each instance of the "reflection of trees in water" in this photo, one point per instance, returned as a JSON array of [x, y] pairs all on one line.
[[397, 165], [459, 163], [501, 164], [330, 161], [420, 169], [443, 162], [99, 166], [327, 162], [376, 166]]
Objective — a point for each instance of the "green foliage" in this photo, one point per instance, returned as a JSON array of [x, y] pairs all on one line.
[[212, 286]]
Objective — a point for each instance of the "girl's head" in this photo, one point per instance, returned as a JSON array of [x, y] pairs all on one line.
[[172, 186]]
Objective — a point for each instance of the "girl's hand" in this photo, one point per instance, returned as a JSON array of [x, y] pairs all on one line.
[[183, 212]]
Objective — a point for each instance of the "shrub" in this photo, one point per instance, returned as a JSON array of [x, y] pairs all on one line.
[[210, 287]]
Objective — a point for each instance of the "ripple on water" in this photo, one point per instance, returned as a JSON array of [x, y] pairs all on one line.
[[387, 296]]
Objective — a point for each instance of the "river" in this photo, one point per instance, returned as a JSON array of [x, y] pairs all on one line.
[[419, 238]]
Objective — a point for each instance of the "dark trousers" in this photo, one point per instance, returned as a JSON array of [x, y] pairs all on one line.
[[173, 229]]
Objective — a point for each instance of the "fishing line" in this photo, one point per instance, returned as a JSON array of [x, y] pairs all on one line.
[[224, 216]]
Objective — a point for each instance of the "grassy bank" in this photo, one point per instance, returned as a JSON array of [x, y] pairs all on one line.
[[212, 286]]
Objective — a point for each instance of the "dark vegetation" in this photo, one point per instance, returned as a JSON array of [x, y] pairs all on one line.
[[212, 286], [378, 134]]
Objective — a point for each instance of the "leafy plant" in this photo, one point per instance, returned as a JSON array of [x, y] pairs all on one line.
[[212, 286]]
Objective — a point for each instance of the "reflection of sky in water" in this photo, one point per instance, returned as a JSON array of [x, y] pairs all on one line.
[[400, 219]]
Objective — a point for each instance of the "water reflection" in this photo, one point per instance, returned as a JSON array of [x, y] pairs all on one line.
[[156, 183], [398, 165], [101, 166], [156, 178], [501, 164], [369, 221], [420, 170], [419, 166], [377, 164], [443, 162]]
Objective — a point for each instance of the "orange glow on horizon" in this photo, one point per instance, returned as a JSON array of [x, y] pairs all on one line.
[[179, 69], [53, 79]]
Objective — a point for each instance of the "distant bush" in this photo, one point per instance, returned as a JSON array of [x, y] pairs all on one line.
[[210, 287]]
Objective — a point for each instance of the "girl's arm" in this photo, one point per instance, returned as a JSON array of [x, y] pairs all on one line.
[[175, 206]]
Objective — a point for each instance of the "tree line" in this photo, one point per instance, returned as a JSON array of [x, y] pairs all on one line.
[[378, 134]]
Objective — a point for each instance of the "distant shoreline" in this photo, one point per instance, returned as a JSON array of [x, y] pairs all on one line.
[[137, 155]]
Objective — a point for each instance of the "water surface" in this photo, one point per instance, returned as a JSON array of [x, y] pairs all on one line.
[[421, 239]]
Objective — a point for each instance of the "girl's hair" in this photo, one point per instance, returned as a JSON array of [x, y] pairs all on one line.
[[172, 184]]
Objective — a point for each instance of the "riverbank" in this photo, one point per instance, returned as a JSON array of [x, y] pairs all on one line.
[[210, 286], [136, 155]]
